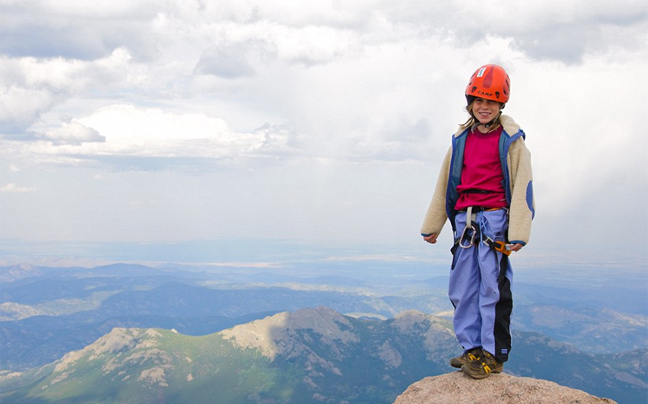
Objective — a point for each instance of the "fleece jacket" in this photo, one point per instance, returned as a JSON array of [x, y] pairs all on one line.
[[515, 159]]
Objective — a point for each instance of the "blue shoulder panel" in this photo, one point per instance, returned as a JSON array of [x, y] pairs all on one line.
[[454, 177]]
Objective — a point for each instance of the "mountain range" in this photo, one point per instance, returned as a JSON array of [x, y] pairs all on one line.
[[309, 356], [260, 327]]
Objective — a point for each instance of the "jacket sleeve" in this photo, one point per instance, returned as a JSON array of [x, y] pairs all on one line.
[[522, 208], [436, 215]]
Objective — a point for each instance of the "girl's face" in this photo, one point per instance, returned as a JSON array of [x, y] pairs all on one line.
[[485, 110]]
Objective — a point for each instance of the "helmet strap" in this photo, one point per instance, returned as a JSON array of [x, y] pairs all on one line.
[[489, 124]]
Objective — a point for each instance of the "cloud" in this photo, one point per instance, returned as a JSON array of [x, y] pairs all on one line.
[[308, 32], [31, 87], [49, 29], [123, 133], [74, 134], [226, 61], [14, 188], [20, 107], [332, 113]]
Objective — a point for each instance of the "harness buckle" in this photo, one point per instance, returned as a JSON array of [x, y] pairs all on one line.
[[500, 246]]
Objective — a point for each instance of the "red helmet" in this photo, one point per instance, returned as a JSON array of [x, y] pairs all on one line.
[[490, 82]]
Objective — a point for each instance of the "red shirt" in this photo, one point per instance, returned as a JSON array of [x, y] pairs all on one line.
[[482, 171]]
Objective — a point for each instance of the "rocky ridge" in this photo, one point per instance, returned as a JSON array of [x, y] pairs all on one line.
[[280, 334], [498, 388]]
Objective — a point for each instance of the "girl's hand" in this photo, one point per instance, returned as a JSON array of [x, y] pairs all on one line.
[[432, 238], [516, 247]]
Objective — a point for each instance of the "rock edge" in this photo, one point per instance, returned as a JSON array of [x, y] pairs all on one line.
[[498, 388]]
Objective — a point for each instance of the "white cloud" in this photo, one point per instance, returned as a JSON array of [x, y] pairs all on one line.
[[124, 130], [31, 86], [19, 107], [74, 134], [294, 103], [14, 188]]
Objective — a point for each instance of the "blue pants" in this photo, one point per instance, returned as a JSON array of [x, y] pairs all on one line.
[[482, 303]]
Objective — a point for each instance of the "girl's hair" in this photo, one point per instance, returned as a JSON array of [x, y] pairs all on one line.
[[472, 122]]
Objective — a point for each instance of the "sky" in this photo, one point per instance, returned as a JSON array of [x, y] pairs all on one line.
[[171, 122]]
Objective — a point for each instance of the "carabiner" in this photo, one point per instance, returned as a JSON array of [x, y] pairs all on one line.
[[472, 237]]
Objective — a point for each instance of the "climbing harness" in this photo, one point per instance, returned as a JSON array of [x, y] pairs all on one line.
[[472, 235]]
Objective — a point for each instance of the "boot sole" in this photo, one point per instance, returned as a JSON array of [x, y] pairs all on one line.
[[480, 376]]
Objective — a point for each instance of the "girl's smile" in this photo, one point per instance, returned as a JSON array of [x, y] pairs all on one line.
[[485, 110]]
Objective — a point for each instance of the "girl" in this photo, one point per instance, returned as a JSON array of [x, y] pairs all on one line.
[[485, 190]]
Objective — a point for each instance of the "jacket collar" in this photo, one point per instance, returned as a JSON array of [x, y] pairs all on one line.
[[509, 125]]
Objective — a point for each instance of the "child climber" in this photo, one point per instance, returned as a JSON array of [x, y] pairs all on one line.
[[485, 190]]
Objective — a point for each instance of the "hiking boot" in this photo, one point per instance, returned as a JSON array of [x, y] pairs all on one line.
[[483, 367], [466, 358]]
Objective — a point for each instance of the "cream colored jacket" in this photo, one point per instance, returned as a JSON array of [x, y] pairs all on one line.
[[517, 176]]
